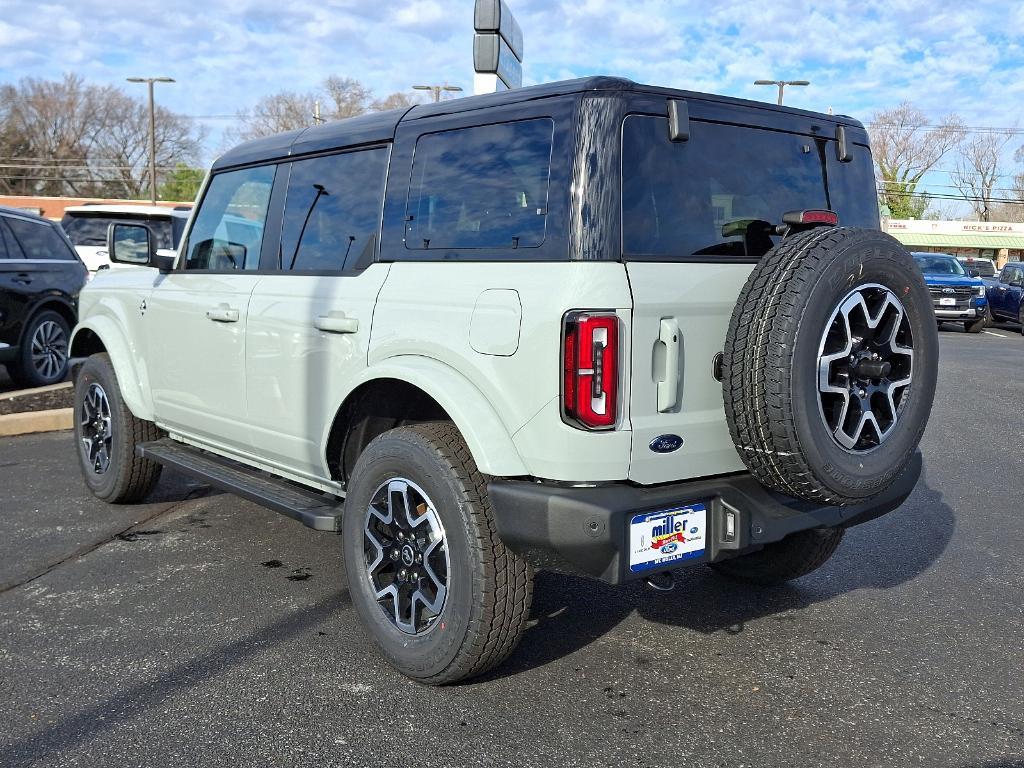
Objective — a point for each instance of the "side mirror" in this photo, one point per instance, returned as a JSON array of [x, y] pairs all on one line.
[[135, 244]]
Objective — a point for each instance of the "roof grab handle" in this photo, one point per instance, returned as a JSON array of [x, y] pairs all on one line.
[[678, 120], [843, 154]]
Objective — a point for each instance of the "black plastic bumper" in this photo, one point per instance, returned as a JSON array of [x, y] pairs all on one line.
[[585, 530]]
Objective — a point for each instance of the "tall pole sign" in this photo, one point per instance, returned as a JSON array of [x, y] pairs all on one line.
[[497, 48]]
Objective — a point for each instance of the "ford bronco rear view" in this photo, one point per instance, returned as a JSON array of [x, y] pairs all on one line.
[[593, 326]]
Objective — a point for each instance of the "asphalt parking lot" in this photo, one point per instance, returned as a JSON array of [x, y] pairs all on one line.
[[199, 629]]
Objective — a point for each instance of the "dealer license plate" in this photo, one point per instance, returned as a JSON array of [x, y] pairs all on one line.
[[657, 539], [947, 302]]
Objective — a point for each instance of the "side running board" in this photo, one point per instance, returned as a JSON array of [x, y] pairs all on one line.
[[319, 511]]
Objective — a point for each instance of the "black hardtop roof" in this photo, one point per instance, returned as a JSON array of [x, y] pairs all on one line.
[[380, 126]]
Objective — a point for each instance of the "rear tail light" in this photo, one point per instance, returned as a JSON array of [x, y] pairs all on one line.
[[590, 369]]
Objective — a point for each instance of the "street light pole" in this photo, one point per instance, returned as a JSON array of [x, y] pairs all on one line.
[[152, 129], [782, 85], [436, 89]]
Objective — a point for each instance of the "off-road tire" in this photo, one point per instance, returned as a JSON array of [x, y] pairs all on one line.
[[975, 326], [23, 370], [129, 479], [796, 555], [1020, 319], [489, 587], [770, 364]]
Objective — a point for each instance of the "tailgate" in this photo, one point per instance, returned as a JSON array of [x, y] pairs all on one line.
[[693, 303]]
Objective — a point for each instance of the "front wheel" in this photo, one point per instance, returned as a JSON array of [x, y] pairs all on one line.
[[107, 434], [975, 326], [430, 579]]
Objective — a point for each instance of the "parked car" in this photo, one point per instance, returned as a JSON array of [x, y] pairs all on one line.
[[977, 266], [955, 294], [40, 278], [1006, 294], [595, 326], [86, 226]]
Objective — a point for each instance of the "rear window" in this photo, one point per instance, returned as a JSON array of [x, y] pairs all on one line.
[[982, 267], [716, 195], [481, 187], [89, 229], [39, 240]]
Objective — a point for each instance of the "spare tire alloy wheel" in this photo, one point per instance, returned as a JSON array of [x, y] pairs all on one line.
[[829, 366], [406, 555], [865, 366], [96, 429]]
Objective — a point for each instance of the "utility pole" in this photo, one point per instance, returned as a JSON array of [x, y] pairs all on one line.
[[436, 89], [152, 129], [316, 113], [782, 85]]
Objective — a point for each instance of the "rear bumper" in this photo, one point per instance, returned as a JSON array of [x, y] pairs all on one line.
[[7, 352], [585, 531]]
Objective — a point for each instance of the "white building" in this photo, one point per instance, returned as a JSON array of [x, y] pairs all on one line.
[[1000, 241]]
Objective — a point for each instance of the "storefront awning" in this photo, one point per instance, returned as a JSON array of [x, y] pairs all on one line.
[[935, 240]]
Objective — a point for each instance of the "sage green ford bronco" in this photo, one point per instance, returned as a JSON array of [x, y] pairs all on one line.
[[592, 326]]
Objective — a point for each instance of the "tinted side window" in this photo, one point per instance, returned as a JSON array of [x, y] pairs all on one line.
[[228, 230], [332, 211], [39, 240], [9, 249], [718, 193], [482, 187]]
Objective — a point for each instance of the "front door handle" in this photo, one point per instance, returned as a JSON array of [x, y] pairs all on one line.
[[222, 314], [23, 278], [336, 322], [668, 387]]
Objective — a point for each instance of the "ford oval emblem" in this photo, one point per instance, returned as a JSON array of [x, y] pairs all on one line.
[[666, 443]]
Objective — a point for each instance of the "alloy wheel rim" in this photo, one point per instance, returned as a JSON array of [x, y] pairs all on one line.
[[49, 349], [865, 368], [406, 555], [97, 434]]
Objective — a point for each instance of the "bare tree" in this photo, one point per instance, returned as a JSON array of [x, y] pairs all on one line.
[[1013, 209], [977, 171], [906, 146], [69, 137], [397, 100], [337, 98]]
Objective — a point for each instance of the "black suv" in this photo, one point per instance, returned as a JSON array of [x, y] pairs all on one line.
[[40, 277]]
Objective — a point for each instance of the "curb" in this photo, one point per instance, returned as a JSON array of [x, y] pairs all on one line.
[[36, 421], [15, 394]]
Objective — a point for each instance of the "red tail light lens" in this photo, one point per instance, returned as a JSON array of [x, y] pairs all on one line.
[[590, 369]]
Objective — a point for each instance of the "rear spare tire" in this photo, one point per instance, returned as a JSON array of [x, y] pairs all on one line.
[[829, 365]]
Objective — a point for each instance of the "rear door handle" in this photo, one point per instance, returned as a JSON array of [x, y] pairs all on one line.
[[336, 322], [222, 314], [668, 388]]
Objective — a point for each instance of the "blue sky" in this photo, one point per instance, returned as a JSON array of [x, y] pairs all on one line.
[[860, 55]]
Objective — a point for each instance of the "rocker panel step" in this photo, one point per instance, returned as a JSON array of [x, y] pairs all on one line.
[[312, 509]]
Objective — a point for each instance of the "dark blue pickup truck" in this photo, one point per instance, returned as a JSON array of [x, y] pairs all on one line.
[[956, 296], [1006, 294]]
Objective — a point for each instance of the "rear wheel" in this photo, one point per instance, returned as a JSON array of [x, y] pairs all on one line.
[[796, 555], [432, 582], [107, 434], [1020, 319], [43, 358]]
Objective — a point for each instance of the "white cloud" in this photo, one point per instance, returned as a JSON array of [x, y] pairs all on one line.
[[861, 55]]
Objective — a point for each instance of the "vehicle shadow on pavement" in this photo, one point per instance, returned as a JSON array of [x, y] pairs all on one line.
[[139, 700], [569, 613]]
